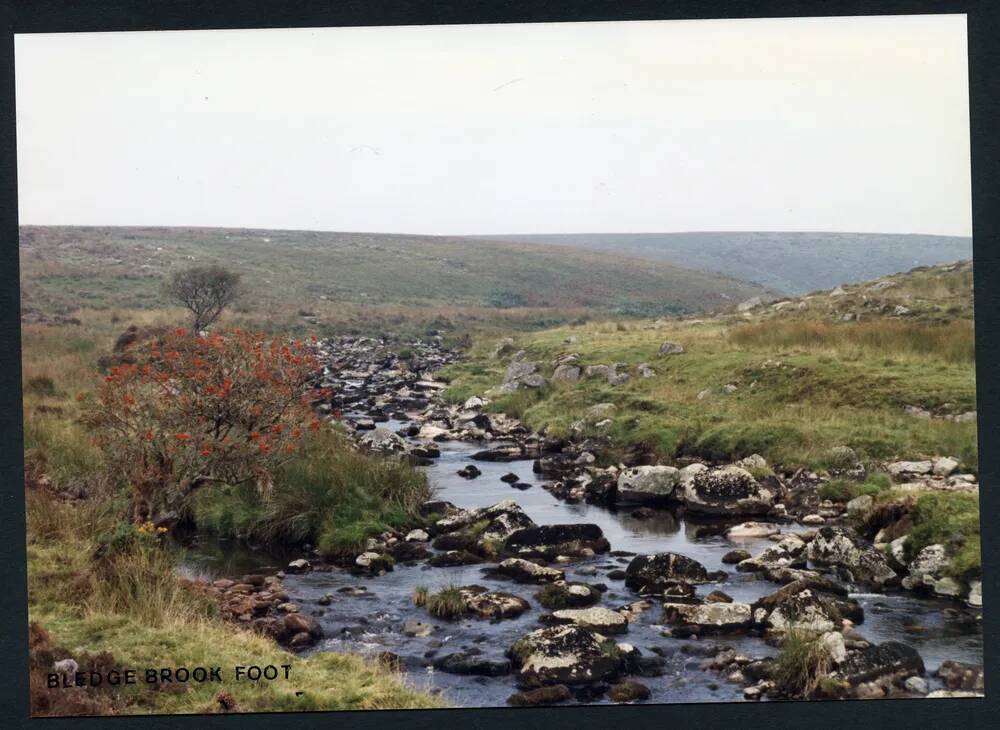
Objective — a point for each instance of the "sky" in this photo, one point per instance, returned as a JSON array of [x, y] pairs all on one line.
[[841, 124]]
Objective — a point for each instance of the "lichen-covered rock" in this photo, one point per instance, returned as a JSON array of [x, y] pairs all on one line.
[[602, 620], [961, 676], [568, 655], [651, 574], [563, 594], [540, 696], [383, 441], [789, 552], [628, 691], [751, 530], [810, 604], [484, 603], [647, 483], [472, 663], [551, 541], [843, 548], [891, 659], [728, 490], [715, 617], [524, 571]]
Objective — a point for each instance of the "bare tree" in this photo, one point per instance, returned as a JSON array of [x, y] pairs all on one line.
[[205, 291]]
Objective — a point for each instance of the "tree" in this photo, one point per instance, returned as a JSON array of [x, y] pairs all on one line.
[[193, 411], [205, 291]]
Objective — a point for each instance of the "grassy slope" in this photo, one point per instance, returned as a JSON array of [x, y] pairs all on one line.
[[59, 363], [377, 276], [167, 629], [806, 379], [785, 261]]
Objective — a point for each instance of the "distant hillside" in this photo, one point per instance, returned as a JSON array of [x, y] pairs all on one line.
[[63, 268], [793, 263]]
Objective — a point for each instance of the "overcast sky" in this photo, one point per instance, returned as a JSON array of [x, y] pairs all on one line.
[[850, 124]]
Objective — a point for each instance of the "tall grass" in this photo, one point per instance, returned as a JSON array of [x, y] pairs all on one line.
[[801, 665], [329, 495], [953, 342]]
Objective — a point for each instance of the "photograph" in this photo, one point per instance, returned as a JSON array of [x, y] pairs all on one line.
[[498, 365]]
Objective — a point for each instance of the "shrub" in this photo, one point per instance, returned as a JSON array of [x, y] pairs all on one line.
[[41, 385], [801, 665], [193, 411], [447, 603]]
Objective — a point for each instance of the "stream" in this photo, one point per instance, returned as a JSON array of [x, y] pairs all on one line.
[[370, 622]]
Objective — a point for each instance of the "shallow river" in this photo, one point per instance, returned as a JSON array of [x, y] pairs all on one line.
[[369, 624]]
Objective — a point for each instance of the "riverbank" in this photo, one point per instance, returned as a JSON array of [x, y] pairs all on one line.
[[167, 625], [522, 523]]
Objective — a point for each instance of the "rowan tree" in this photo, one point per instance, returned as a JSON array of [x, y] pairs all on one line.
[[194, 411]]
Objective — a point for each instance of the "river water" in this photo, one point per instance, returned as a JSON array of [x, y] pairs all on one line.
[[370, 623]]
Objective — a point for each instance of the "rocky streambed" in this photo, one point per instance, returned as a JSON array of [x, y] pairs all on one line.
[[554, 580]]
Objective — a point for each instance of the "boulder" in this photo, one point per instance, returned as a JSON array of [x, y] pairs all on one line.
[[540, 696], [383, 441], [562, 594], [806, 604], [926, 568], [735, 556], [647, 483], [890, 659], [843, 548], [454, 558], [944, 466], [789, 552], [749, 530], [524, 571], [472, 663], [910, 468], [569, 655], [727, 490], [628, 691], [670, 348], [299, 565], [551, 541], [655, 573], [522, 374], [566, 374], [417, 536], [715, 617], [602, 620], [483, 603], [961, 676]]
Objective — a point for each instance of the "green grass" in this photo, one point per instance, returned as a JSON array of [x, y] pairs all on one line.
[[801, 665], [329, 495], [803, 386], [361, 281], [447, 603], [553, 597], [843, 490], [130, 604], [950, 519]]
